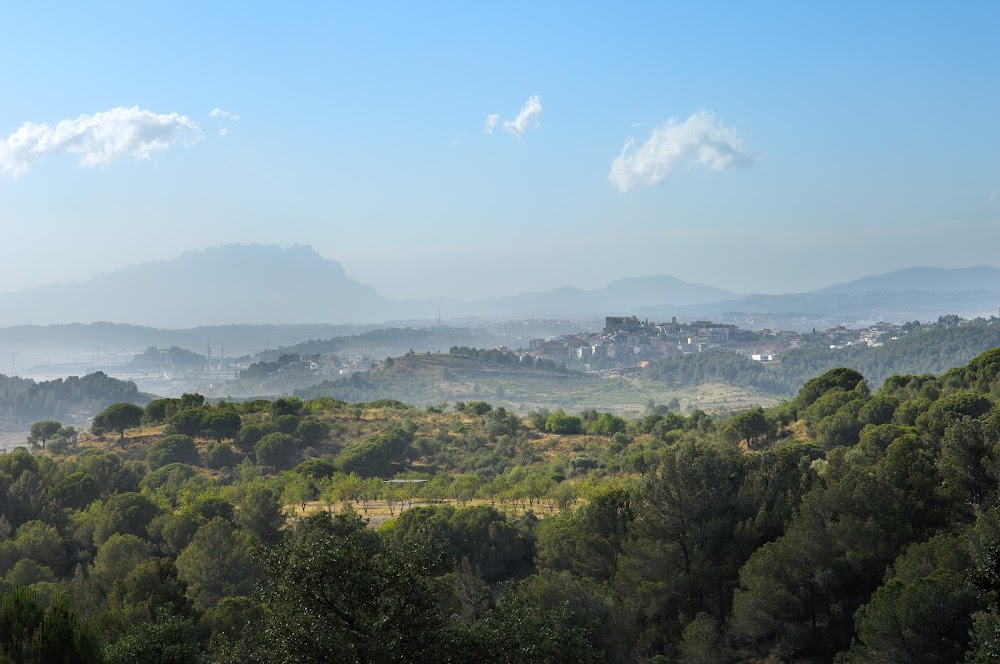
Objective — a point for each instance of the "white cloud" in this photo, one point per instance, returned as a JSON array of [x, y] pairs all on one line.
[[526, 119], [224, 115], [992, 197], [491, 123], [101, 138], [701, 140]]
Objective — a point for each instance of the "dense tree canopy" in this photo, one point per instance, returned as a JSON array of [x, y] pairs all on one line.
[[840, 526]]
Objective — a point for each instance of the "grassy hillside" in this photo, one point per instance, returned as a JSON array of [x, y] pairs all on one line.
[[430, 379], [393, 341]]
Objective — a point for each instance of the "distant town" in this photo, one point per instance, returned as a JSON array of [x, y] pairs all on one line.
[[625, 341], [629, 343], [625, 345]]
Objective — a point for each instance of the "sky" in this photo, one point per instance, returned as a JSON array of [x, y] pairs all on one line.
[[483, 149]]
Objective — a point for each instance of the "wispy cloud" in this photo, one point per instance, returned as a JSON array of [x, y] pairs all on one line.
[[220, 114], [491, 123], [223, 115], [527, 118], [700, 140], [101, 138]]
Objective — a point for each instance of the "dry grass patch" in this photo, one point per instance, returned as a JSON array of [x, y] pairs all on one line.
[[379, 511]]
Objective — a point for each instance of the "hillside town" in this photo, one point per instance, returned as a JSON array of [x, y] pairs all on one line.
[[628, 341], [625, 344]]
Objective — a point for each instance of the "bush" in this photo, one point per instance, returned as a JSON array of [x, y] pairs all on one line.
[[474, 407], [249, 435], [160, 410], [177, 448], [538, 418], [274, 449], [221, 424], [221, 455], [286, 423], [607, 424], [316, 468], [375, 456], [58, 445], [562, 423], [286, 406], [312, 432], [188, 422]]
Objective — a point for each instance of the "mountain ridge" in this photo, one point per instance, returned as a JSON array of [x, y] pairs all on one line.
[[921, 279], [252, 284], [266, 284]]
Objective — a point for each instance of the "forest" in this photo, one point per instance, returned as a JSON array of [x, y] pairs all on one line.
[[844, 525]]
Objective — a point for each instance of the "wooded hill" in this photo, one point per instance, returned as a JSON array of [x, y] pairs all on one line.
[[74, 399], [844, 525], [396, 341]]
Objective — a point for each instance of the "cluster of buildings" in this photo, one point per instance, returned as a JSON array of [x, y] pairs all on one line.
[[322, 366], [628, 340], [872, 336]]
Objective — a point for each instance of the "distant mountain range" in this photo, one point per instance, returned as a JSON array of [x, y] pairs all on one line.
[[922, 279], [254, 284], [619, 297], [229, 284], [91, 338]]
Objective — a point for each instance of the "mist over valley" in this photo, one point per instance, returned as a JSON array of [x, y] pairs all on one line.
[[660, 333]]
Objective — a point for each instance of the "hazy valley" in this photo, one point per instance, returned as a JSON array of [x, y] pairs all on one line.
[[465, 333]]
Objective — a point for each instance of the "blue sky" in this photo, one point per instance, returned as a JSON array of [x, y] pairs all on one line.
[[761, 146]]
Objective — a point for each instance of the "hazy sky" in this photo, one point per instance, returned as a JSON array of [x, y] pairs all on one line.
[[471, 149]]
